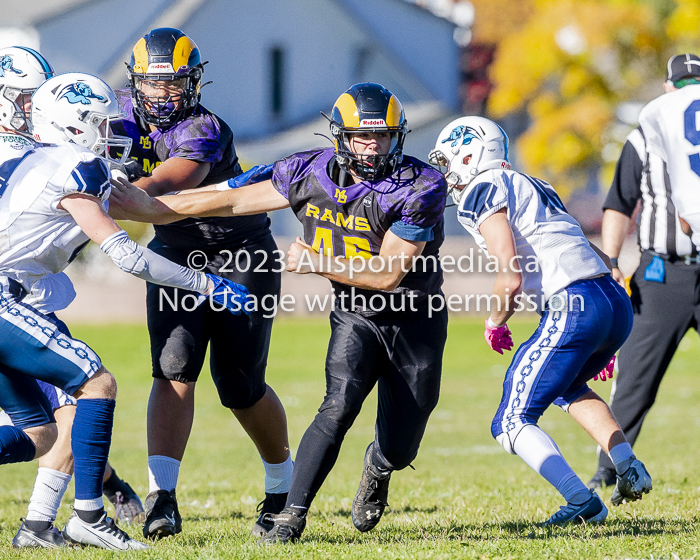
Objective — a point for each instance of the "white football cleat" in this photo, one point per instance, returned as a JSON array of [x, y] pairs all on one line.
[[103, 534]]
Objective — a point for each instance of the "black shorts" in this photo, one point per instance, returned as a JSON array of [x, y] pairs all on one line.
[[238, 343]]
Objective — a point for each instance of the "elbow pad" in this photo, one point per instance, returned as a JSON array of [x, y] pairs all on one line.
[[149, 266]]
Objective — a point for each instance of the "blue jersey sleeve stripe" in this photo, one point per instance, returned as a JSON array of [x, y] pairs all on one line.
[[91, 177], [410, 232], [479, 199]]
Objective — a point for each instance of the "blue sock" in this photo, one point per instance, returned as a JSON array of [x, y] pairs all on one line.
[[91, 437], [15, 446]]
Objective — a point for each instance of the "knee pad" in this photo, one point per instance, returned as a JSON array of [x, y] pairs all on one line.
[[507, 439]]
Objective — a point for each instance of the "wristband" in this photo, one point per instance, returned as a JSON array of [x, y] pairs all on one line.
[[492, 324], [613, 262]]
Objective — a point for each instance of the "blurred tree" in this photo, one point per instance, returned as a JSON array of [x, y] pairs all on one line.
[[569, 64]]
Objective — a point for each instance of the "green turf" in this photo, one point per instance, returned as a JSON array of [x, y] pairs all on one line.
[[467, 497]]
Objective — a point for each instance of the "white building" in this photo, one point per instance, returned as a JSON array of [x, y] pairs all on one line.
[[273, 63]]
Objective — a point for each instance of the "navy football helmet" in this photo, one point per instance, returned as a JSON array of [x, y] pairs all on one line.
[[368, 107], [166, 64]]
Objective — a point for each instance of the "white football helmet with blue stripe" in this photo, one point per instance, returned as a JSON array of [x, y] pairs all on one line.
[[466, 147], [22, 70], [79, 108]]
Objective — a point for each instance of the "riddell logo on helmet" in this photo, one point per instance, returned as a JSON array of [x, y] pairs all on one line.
[[372, 122], [160, 66]]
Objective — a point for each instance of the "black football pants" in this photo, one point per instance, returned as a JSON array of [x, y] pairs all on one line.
[[663, 313], [402, 354]]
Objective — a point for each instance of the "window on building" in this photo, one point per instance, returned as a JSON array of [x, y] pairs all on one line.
[[277, 72]]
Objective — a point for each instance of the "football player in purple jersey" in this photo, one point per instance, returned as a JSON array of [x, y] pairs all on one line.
[[373, 225], [180, 145]]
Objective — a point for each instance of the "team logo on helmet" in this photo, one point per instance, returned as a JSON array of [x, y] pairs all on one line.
[[80, 93], [466, 133], [7, 65]]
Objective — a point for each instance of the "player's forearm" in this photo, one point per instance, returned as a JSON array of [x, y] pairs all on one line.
[[385, 273], [506, 287], [199, 204], [614, 231], [244, 201], [149, 266]]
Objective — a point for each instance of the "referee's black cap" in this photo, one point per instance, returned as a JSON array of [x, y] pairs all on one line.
[[683, 66]]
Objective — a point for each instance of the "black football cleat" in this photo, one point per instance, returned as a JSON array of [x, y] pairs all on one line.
[[268, 508], [287, 528], [162, 515], [632, 484], [50, 537], [371, 498], [127, 504]]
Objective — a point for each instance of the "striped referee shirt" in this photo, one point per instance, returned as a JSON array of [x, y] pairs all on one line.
[[643, 175]]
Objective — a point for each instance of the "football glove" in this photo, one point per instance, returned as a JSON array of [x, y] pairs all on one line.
[[255, 174], [607, 372], [130, 169], [228, 294], [498, 338]]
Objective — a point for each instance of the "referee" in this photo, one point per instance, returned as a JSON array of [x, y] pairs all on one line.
[[665, 286]]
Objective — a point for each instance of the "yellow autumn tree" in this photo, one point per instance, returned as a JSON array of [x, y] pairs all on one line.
[[568, 65]]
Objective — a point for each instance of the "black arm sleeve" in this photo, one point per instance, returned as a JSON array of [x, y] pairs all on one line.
[[626, 190]]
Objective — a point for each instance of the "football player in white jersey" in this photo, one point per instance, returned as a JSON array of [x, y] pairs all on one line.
[[544, 262], [671, 127], [24, 70], [52, 202]]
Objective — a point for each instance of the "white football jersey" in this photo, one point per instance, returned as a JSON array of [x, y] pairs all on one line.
[[55, 291], [37, 239], [671, 126], [553, 251]]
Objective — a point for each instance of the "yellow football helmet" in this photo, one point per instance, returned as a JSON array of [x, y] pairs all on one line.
[[170, 60], [368, 107]]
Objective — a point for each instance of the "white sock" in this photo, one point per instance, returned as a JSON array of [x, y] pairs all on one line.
[[49, 487], [278, 477], [89, 505], [542, 455], [162, 473], [621, 455]]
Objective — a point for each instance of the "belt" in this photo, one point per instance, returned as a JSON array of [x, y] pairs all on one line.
[[686, 259]]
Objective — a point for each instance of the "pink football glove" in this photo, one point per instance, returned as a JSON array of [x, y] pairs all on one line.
[[607, 372], [498, 338]]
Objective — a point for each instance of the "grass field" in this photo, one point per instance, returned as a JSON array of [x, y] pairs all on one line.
[[466, 497]]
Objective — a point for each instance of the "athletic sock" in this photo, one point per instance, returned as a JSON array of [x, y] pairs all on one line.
[[37, 526], [622, 456], [90, 440], [15, 446], [49, 488], [542, 455], [162, 473], [278, 476], [90, 515]]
